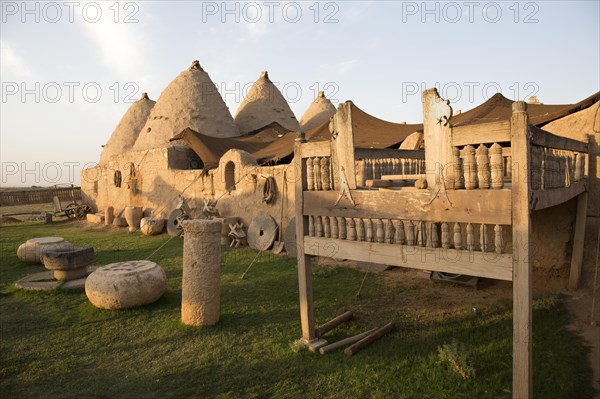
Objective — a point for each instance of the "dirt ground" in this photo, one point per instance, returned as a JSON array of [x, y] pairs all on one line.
[[450, 296]]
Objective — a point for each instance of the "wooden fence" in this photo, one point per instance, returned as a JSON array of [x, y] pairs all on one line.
[[42, 196]]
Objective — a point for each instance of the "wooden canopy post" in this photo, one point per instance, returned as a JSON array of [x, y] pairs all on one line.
[[521, 224], [342, 145], [307, 317], [437, 135], [578, 240]]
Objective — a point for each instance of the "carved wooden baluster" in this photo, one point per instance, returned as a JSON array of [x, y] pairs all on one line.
[[555, 178], [498, 239], [569, 175], [544, 174], [310, 174], [536, 167], [578, 166], [379, 233], [389, 232], [497, 166], [410, 233], [434, 238], [421, 234], [483, 167], [508, 167], [311, 226], [351, 229], [399, 237], [483, 237], [397, 166], [326, 227], [317, 172], [582, 165], [335, 231], [366, 171], [445, 235], [360, 229], [377, 169], [318, 226], [342, 227], [457, 236], [359, 165], [470, 238], [470, 166], [325, 173], [402, 166], [369, 230], [458, 178]]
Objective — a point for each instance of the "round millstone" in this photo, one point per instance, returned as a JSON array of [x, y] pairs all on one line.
[[262, 232], [32, 250], [125, 285]]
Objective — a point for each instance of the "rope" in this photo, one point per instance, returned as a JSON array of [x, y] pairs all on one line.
[[159, 248]]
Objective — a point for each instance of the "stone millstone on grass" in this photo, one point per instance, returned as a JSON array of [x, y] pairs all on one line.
[[32, 250], [126, 285], [262, 232]]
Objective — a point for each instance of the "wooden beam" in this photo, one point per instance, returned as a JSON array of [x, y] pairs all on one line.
[[474, 206], [542, 199], [361, 153], [578, 240], [480, 133], [404, 177], [307, 317], [488, 264], [521, 258], [316, 149], [546, 139]]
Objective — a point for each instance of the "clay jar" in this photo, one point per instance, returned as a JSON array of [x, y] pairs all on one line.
[[133, 216]]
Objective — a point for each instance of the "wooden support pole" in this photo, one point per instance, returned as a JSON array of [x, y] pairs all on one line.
[[346, 341], [333, 323], [307, 317], [521, 225], [578, 240], [369, 339]]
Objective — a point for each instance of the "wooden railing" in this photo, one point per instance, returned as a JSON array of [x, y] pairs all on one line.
[[483, 182], [42, 196]]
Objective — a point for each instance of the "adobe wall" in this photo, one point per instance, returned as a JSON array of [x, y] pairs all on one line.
[[585, 125], [157, 184]]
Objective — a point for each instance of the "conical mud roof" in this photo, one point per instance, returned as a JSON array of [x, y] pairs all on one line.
[[263, 105], [319, 111], [126, 133], [190, 100]]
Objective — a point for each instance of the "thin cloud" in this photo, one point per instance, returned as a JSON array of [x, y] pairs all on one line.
[[12, 63]]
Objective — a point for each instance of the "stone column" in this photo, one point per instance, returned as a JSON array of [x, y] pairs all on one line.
[[201, 282], [109, 215]]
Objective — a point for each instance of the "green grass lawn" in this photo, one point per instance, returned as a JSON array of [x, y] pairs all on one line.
[[56, 344]]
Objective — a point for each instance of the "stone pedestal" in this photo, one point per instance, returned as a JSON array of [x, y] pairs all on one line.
[[70, 263], [201, 282], [109, 215]]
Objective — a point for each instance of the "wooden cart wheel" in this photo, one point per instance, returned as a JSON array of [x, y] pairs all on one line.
[[71, 210], [81, 211]]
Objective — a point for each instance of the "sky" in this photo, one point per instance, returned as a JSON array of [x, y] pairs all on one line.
[[70, 69]]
